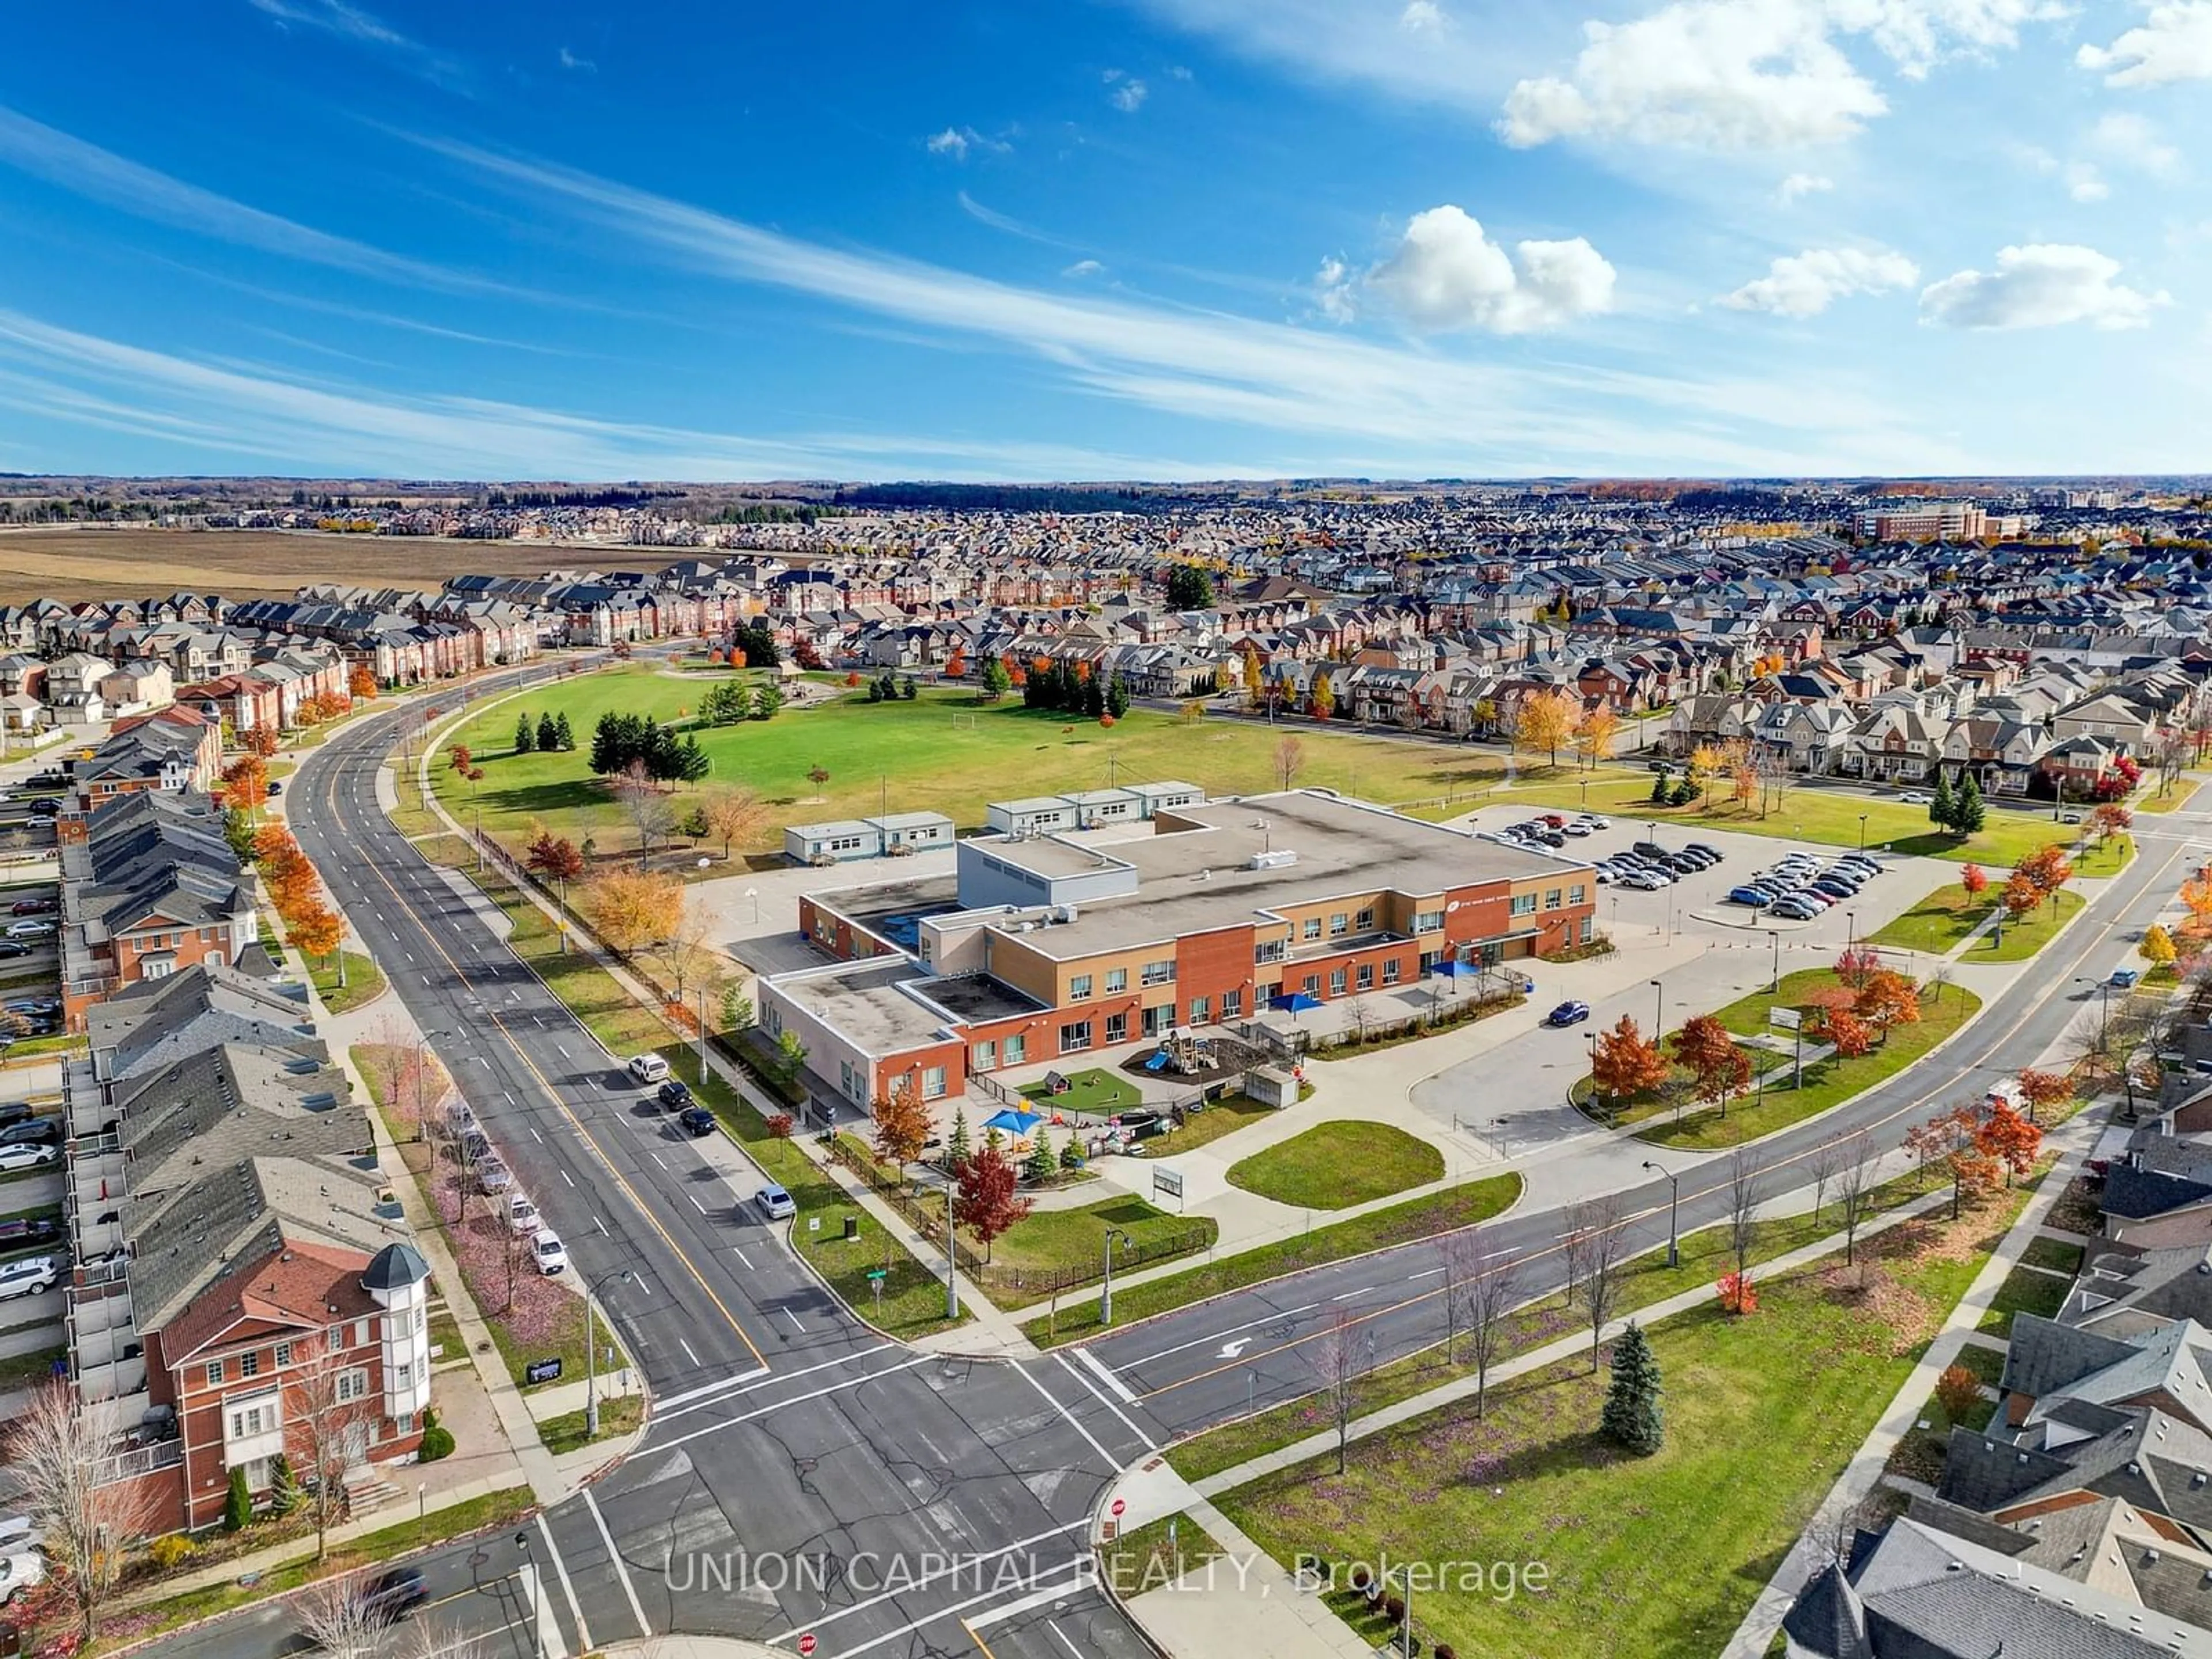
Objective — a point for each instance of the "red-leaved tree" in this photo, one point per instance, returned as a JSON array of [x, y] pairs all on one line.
[[986, 1203]]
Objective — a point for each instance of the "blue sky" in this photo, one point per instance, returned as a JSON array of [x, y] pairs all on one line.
[[1153, 239]]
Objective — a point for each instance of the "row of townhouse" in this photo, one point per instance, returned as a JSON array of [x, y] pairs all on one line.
[[243, 1286]]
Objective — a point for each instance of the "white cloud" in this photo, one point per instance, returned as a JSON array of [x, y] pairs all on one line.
[[1129, 92], [1446, 274], [2173, 43], [1082, 267], [2041, 285], [1707, 74], [1335, 287], [952, 142], [1800, 184], [1364, 397], [350, 22], [2084, 183], [2127, 140], [569, 60], [1422, 17], [1916, 34], [102, 176], [1805, 284]]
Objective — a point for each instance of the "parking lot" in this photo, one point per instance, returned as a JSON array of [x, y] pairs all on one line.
[[1698, 903]]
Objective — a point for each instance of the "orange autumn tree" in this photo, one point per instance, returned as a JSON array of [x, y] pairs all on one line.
[[1851, 1035], [246, 783], [1888, 999], [1948, 1139], [2021, 896], [361, 683], [1706, 1050], [1627, 1063], [2044, 1091], [2009, 1139], [2048, 869], [1975, 880]]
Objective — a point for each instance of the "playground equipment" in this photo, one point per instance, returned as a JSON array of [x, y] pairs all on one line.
[[1180, 1051]]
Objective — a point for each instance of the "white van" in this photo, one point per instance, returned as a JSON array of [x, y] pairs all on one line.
[[648, 1068]]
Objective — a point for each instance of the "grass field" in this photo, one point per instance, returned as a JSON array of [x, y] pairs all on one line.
[[1826, 1082], [2025, 1290], [1048, 1239], [1762, 1414], [1939, 922], [913, 756], [1090, 1093], [140, 562], [1334, 1166], [1222, 1118], [1821, 814]]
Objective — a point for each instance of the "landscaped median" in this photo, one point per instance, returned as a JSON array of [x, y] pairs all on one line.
[[1338, 1164], [1762, 1413], [1672, 1119], [1378, 1229], [1947, 917]]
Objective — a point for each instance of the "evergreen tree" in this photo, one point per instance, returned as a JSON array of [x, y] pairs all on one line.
[[1094, 697], [1117, 697], [1631, 1415], [548, 735], [1040, 1164], [284, 1492], [957, 1146], [692, 763], [525, 735], [568, 738], [1070, 1153], [996, 681], [1662, 790], [238, 831], [909, 688], [1967, 813], [766, 701], [875, 690], [238, 1507], [1943, 809]]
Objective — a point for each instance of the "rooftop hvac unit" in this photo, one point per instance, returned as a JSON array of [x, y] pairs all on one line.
[[1280, 858]]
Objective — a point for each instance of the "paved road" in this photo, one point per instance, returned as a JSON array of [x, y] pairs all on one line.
[[802, 1473]]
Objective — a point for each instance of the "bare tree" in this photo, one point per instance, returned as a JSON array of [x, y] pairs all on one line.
[[1289, 759], [1743, 1208], [1822, 1164], [1486, 1285], [337, 1617], [1597, 1238], [1334, 1357], [646, 804], [1855, 1187], [686, 951], [62, 1451], [325, 1407]]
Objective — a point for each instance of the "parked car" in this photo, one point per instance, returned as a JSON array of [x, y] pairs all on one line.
[[476, 1145], [1605, 876], [775, 1203], [492, 1176], [673, 1095], [550, 1255], [1793, 909], [695, 1121], [647, 1068], [522, 1217], [35, 1132], [14, 1112], [34, 928], [15, 1158], [275, 786], [48, 808], [10, 948], [1712, 853], [1643, 881], [19, 1573], [34, 1275], [1917, 798], [1568, 1013], [1835, 889], [2123, 979], [29, 907], [1752, 895], [1553, 820], [1577, 827], [33, 1006], [28, 1232], [1597, 820]]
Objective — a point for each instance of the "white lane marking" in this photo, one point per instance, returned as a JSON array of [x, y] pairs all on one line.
[[696, 1204], [990, 1616], [602, 1226], [640, 1282], [959, 1565], [564, 1175], [621, 1570], [785, 1405], [674, 1405], [1207, 1341], [743, 1257], [1348, 1295], [1142, 1439], [688, 1354], [535, 1136], [1064, 1642], [655, 1156], [793, 1318], [563, 1050], [1427, 1273], [1089, 1362], [568, 1589], [1074, 1422]]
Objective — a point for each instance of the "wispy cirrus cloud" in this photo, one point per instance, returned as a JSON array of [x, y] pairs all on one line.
[[1203, 364], [351, 23], [102, 176], [85, 379]]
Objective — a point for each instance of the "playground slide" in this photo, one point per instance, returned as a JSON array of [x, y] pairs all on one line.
[[1159, 1062]]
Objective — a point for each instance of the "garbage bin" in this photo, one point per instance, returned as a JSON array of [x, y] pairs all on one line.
[[852, 1227]]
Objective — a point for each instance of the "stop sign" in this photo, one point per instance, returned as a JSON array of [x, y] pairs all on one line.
[[806, 1643], [1117, 1507]]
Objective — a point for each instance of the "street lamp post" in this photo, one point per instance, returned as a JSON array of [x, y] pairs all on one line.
[[1658, 1009], [1774, 939], [1862, 818], [1106, 1293], [1674, 1196], [591, 1358]]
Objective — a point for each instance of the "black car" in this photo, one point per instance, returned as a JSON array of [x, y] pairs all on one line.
[[37, 1131], [695, 1121], [14, 1112], [26, 1232], [673, 1095], [48, 808], [390, 1596], [13, 947]]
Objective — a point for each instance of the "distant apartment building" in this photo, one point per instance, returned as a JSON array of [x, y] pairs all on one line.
[[1931, 521], [1051, 941]]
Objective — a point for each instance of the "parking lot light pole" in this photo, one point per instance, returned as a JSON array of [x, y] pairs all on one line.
[[1106, 1292], [1658, 1009], [1862, 818], [1674, 1197], [1774, 939], [591, 1359]]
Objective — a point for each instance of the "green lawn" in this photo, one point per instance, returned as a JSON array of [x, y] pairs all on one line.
[[2025, 1290], [943, 752], [364, 981], [1336, 1165], [1157, 1554], [1420, 1217], [1220, 1118], [1940, 922], [1986, 1364], [1047, 1240], [1816, 815], [2152, 801], [2106, 858], [1090, 1093], [1763, 1414], [1827, 1084], [565, 1433], [21, 1370], [2055, 1253], [1918, 1456]]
